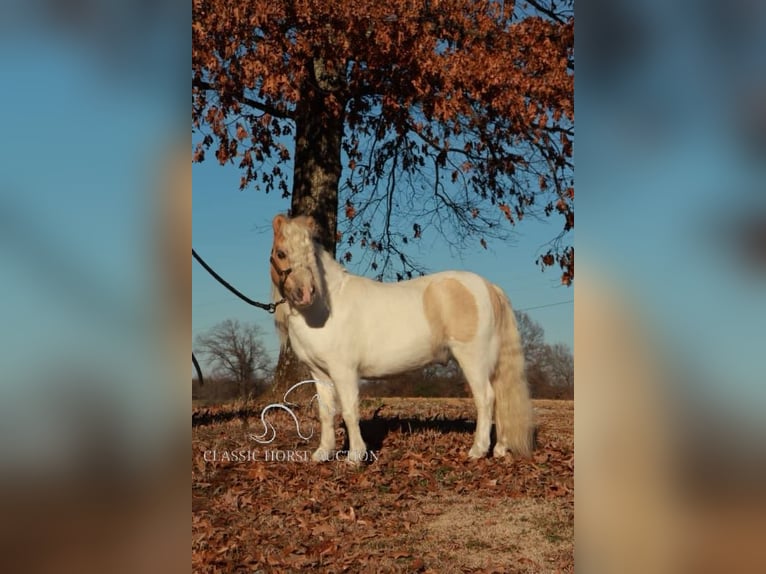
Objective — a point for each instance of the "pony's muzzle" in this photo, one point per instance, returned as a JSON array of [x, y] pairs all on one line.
[[303, 296]]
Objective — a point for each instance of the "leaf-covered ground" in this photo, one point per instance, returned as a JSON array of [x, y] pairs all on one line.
[[421, 506]]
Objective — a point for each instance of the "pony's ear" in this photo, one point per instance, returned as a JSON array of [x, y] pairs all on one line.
[[313, 226], [278, 222]]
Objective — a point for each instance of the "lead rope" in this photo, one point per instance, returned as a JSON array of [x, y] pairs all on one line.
[[269, 307]]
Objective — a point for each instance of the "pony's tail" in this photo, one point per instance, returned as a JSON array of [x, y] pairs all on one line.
[[514, 423]]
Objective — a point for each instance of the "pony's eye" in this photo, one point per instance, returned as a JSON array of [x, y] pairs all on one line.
[[281, 254]]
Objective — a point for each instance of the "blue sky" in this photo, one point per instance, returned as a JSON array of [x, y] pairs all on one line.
[[232, 232]]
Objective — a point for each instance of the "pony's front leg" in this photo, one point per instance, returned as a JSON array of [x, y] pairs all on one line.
[[326, 408], [347, 385]]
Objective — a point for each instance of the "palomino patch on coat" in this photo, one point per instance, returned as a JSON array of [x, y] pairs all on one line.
[[451, 311]]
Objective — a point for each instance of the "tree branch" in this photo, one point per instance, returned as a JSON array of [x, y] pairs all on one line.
[[547, 11], [265, 108]]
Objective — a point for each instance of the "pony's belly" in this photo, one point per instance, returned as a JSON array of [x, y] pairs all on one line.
[[377, 342], [379, 361], [385, 360]]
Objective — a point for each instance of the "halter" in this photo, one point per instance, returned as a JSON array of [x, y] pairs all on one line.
[[282, 273]]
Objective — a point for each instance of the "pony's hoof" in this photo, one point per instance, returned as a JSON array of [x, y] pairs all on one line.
[[477, 452], [320, 455], [499, 451]]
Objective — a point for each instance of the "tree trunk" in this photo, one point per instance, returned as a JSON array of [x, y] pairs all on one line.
[[319, 133], [243, 389]]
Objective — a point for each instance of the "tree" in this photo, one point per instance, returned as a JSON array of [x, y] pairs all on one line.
[[532, 337], [443, 111], [535, 351], [453, 115], [549, 368], [561, 365], [236, 353]]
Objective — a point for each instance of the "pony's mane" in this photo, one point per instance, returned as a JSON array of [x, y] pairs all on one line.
[[280, 317], [298, 240]]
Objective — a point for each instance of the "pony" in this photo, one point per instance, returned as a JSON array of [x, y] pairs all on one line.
[[345, 327]]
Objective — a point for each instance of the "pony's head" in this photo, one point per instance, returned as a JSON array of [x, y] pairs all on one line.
[[294, 271]]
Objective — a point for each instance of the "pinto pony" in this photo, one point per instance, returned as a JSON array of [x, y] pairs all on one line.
[[343, 327]]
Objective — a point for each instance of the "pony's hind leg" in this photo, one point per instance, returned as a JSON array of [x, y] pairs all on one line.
[[326, 408], [476, 372], [347, 385]]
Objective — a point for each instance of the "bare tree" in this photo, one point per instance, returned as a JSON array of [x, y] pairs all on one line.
[[532, 337], [533, 343], [236, 353], [549, 368], [560, 365]]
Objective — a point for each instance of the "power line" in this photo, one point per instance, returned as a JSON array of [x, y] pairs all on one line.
[[543, 306]]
